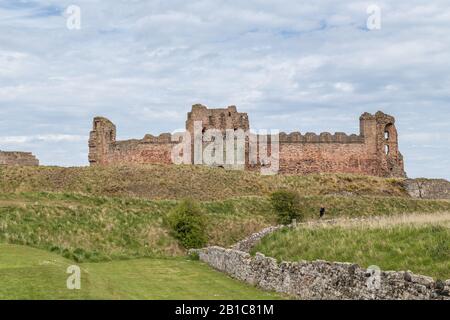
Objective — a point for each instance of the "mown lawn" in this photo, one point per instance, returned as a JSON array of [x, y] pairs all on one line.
[[28, 273], [421, 248]]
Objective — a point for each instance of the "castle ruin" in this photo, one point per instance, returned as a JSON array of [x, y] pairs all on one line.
[[374, 151], [15, 158]]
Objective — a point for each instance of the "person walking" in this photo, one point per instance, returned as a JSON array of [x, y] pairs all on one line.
[[322, 212]]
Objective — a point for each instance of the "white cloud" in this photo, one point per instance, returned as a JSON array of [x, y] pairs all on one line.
[[344, 87], [17, 140], [428, 137]]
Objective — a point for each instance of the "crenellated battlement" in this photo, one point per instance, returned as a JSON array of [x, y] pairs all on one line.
[[162, 138], [324, 137]]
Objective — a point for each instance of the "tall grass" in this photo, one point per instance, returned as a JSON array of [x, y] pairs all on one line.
[[421, 248], [97, 228], [178, 182]]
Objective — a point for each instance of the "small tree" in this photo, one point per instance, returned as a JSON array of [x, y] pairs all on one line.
[[286, 205], [188, 224]]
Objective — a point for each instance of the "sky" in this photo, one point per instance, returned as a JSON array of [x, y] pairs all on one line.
[[308, 66]]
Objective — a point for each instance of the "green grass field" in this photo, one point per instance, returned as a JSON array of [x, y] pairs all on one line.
[[28, 273], [421, 245]]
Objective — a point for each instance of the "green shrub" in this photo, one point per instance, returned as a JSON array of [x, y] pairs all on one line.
[[194, 256], [188, 224], [286, 205]]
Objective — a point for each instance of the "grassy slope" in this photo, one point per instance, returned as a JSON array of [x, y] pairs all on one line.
[[176, 182], [104, 214], [27, 273], [92, 228], [422, 247]]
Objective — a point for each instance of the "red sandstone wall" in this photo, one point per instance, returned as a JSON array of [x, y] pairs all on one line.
[[18, 159], [305, 158], [373, 152], [295, 158], [140, 153]]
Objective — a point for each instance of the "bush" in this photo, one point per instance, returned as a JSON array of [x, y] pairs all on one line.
[[194, 256], [286, 205], [188, 224]]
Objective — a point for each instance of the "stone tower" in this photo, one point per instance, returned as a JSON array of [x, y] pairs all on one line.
[[381, 138], [101, 137], [222, 119]]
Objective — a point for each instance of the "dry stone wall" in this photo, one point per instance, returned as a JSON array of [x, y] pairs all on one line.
[[248, 243], [322, 279], [319, 279]]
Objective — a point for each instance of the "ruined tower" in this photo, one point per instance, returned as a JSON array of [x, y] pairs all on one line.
[[222, 119], [102, 136], [381, 138]]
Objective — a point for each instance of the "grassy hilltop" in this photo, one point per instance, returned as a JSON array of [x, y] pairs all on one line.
[[177, 182]]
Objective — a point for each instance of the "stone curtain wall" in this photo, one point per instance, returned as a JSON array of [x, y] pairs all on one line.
[[307, 158], [374, 151], [428, 188], [140, 152], [104, 149], [321, 279], [18, 159]]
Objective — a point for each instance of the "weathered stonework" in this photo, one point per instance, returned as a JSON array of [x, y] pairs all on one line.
[[428, 188], [374, 151], [247, 244], [14, 158], [319, 279], [322, 279], [105, 150], [222, 119]]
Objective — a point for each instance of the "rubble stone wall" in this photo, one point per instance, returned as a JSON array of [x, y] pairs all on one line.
[[322, 279]]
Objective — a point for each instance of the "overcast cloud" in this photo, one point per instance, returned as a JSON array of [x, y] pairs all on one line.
[[292, 65]]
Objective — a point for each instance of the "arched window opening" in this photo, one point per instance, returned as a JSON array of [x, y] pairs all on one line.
[[390, 133], [386, 149]]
